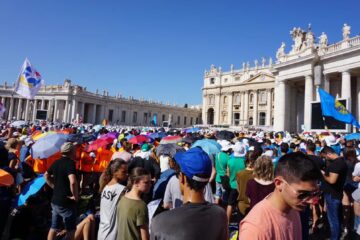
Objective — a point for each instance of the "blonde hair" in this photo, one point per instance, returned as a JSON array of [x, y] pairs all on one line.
[[264, 168]]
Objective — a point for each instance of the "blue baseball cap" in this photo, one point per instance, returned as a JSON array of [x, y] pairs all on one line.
[[193, 162]]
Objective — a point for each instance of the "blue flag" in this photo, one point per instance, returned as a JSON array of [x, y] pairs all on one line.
[[154, 121], [333, 108]]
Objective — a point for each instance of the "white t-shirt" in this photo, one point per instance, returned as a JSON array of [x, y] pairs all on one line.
[[356, 172], [108, 204]]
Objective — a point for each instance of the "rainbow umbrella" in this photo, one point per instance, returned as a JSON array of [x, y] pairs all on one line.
[[30, 189], [170, 139], [6, 179], [138, 139]]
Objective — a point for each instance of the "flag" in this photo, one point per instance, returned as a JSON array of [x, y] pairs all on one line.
[[2, 109], [333, 108], [29, 81], [154, 120]]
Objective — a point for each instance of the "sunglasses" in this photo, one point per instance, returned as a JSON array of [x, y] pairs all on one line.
[[305, 195]]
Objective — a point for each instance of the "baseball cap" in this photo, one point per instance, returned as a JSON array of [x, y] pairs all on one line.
[[194, 161], [67, 147]]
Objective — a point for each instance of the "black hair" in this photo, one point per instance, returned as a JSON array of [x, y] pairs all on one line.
[[297, 166], [251, 157], [196, 185], [310, 146], [284, 147], [327, 150]]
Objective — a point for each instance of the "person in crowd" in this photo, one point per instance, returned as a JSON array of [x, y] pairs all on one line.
[[334, 179], [262, 184], [61, 177], [111, 189], [242, 177], [235, 164], [221, 161], [132, 212], [195, 219], [276, 216], [125, 153]]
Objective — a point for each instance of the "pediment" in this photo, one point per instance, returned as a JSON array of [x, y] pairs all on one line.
[[260, 77]]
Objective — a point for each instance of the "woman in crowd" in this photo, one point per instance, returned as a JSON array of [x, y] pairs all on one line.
[[262, 184], [111, 189], [132, 212]]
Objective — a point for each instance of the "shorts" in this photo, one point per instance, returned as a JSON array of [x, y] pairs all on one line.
[[219, 190], [233, 195], [66, 214]]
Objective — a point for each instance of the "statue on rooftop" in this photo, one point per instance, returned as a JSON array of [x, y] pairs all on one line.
[[346, 31], [323, 40], [281, 51]]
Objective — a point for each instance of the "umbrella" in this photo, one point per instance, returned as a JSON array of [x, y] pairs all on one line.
[[170, 139], [161, 129], [98, 143], [112, 135], [98, 127], [30, 189], [138, 139], [225, 135], [168, 149], [157, 135], [41, 135], [129, 136], [6, 179], [48, 145], [210, 146], [192, 130], [18, 124], [352, 136]]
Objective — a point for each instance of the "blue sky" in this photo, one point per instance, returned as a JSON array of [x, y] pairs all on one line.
[[151, 48]]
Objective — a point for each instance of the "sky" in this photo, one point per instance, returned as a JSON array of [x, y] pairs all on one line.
[[155, 49]]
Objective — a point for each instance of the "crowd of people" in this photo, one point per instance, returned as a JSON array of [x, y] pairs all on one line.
[[113, 182]]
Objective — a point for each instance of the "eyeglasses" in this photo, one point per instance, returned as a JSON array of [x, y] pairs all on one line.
[[304, 195]]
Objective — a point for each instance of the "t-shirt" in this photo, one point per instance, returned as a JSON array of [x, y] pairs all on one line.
[[173, 193], [265, 222], [221, 161], [131, 214], [191, 221], [235, 164], [108, 204], [257, 192], [319, 163], [242, 178], [61, 169], [339, 167], [18, 224]]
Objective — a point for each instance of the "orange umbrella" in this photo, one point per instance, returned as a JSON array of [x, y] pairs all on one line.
[[6, 179]]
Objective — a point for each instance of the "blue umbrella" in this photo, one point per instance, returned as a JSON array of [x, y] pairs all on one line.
[[210, 146], [352, 136], [48, 145], [129, 136], [157, 135], [192, 130], [30, 189]]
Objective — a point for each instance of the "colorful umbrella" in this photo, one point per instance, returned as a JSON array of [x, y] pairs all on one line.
[[41, 135], [352, 136], [225, 135], [6, 179], [48, 145], [98, 143], [168, 149], [170, 139], [192, 130], [157, 135], [211, 147], [138, 139], [30, 189]]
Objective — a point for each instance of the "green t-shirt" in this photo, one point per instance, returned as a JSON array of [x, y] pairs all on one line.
[[221, 161], [235, 165], [131, 214]]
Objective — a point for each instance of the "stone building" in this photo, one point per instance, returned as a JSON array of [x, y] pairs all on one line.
[[279, 96], [69, 103]]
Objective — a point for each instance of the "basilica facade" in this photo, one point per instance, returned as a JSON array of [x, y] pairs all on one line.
[[73, 103], [282, 95]]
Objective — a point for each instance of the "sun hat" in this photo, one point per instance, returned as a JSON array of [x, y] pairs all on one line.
[[193, 162], [330, 140], [239, 149], [225, 145], [67, 147]]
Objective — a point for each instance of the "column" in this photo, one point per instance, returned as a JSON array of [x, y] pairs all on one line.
[[55, 116], [308, 98], [279, 105], [94, 114], [204, 110], [42, 104], [327, 83], [18, 116], [230, 109], [68, 119], [217, 111], [241, 94], [27, 110], [346, 88], [268, 108], [11, 109], [82, 113], [244, 120], [255, 108], [65, 117], [34, 109]]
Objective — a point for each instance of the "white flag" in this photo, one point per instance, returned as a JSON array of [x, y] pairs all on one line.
[[29, 81]]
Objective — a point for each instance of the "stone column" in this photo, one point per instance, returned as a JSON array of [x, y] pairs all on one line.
[[55, 115], [65, 117], [27, 110], [358, 97], [34, 106], [204, 108], [18, 116], [327, 83], [241, 94], [346, 88], [255, 108], [230, 109], [74, 109], [217, 111], [308, 98], [245, 119], [11, 108], [279, 105], [42, 104], [69, 111], [268, 108], [94, 114]]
